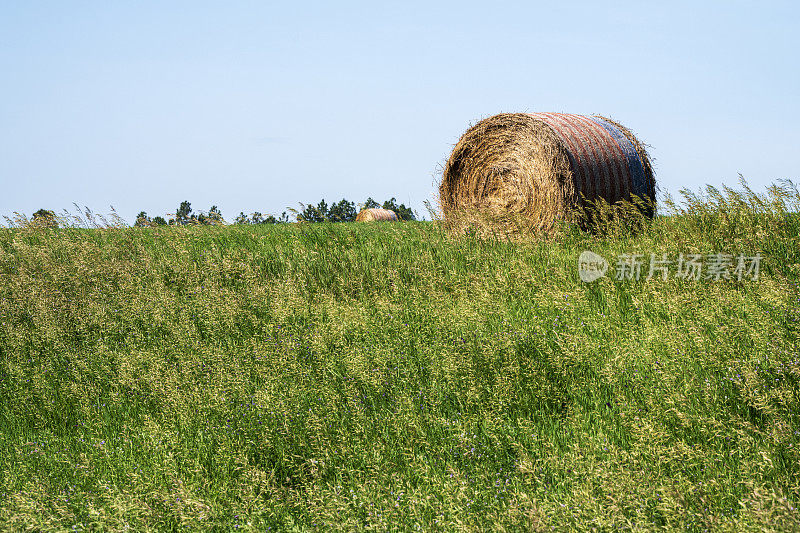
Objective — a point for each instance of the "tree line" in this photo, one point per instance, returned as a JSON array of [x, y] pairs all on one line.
[[341, 211], [345, 211], [184, 216]]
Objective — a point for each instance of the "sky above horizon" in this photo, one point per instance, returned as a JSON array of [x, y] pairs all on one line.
[[255, 106]]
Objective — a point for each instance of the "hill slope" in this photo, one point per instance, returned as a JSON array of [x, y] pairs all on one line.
[[386, 376]]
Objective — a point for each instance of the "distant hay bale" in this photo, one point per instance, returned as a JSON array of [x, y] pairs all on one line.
[[376, 214], [533, 169]]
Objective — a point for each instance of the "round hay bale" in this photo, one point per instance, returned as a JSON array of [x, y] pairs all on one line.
[[536, 168], [376, 214]]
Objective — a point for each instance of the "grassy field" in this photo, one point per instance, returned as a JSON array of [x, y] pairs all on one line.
[[388, 377]]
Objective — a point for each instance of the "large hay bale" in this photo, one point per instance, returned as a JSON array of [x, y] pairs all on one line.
[[535, 168], [376, 214]]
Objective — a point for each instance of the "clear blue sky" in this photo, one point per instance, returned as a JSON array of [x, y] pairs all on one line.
[[261, 105]]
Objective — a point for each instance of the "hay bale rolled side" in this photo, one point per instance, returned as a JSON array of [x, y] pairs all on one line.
[[532, 169], [375, 214]]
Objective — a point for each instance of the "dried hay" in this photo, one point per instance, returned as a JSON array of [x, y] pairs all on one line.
[[519, 170], [376, 214]]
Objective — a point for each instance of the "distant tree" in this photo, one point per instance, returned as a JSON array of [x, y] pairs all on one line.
[[342, 211], [322, 209], [256, 218], [311, 213], [142, 220], [403, 212], [214, 216], [45, 218], [184, 215], [283, 219], [371, 204], [159, 221], [241, 218]]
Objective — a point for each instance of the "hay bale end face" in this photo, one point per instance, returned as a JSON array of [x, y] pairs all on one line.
[[538, 167], [376, 214]]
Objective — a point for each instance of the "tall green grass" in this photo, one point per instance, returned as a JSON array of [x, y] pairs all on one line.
[[386, 376]]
